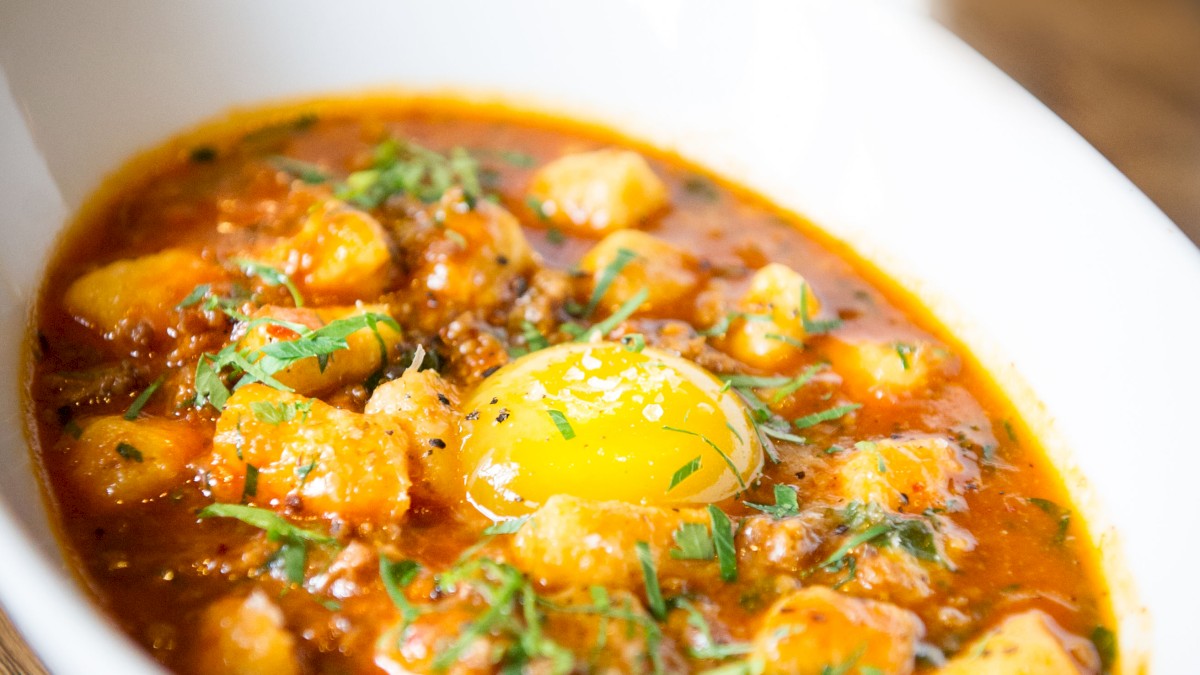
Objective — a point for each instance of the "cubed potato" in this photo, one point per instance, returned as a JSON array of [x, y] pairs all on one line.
[[426, 408], [891, 575], [244, 636], [772, 330], [461, 258], [874, 369], [310, 457], [598, 192], [816, 628], [340, 254], [346, 366], [117, 461], [779, 545], [907, 475], [1029, 643], [579, 542], [667, 273], [144, 291]]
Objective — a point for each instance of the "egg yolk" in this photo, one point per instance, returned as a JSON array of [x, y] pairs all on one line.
[[600, 421]]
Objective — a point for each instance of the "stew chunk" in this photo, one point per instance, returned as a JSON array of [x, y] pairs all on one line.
[[308, 456], [816, 630], [1029, 643], [598, 192], [245, 636], [120, 461], [116, 298]]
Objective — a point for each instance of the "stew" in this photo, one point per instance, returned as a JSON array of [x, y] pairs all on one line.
[[423, 386]]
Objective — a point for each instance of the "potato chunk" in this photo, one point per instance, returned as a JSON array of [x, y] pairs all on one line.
[[771, 331], [244, 636], [116, 461], [872, 369], [598, 192], [667, 273], [309, 456], [579, 542], [461, 258], [817, 628], [363, 356], [339, 254], [1029, 643], [426, 408], [124, 294], [907, 475]]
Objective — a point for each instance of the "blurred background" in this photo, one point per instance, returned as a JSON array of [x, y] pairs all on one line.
[[1124, 73]]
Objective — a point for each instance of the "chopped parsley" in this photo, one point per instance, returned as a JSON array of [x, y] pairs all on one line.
[[722, 533], [396, 576], [812, 327], [250, 486], [259, 365], [717, 449], [692, 542], [634, 342], [1106, 646], [129, 452], [623, 312], [292, 555], [401, 167], [684, 471], [786, 505], [140, 402], [824, 415], [1053, 510], [723, 541], [905, 351], [607, 275], [278, 413], [270, 276], [564, 426], [871, 524], [654, 597]]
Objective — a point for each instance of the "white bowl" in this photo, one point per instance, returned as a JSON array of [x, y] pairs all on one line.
[[1072, 288]]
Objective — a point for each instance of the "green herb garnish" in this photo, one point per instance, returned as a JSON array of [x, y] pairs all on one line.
[[654, 598], [692, 542], [607, 275], [140, 402], [564, 426], [722, 533], [724, 457], [684, 471], [786, 505], [270, 276], [824, 415], [127, 451]]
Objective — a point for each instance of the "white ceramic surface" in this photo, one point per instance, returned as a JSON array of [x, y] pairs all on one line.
[[866, 116]]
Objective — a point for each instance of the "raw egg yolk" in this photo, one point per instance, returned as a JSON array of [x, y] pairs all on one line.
[[600, 421]]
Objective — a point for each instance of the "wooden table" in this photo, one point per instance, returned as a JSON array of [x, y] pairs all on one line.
[[1124, 73]]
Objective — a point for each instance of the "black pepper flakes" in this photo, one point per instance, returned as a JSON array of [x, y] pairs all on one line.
[[473, 415], [494, 401], [503, 415], [489, 371], [437, 443], [443, 400]]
